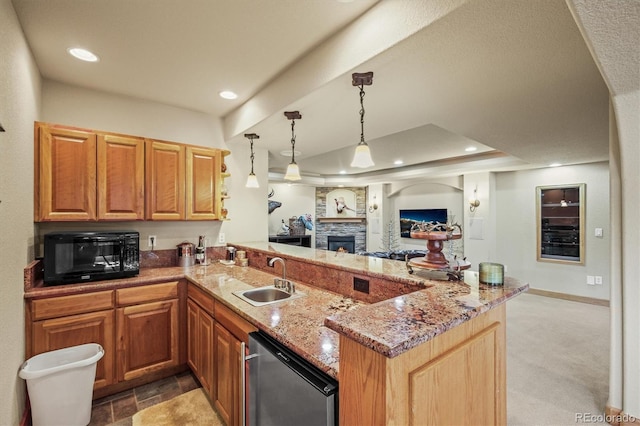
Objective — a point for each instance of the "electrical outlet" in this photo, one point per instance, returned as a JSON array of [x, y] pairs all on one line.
[[221, 238], [598, 280], [591, 280], [153, 241], [361, 285]]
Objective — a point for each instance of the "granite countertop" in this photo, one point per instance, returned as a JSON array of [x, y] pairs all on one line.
[[311, 325]]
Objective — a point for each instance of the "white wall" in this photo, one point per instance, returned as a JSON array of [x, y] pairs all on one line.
[[480, 225], [19, 107], [516, 229], [296, 200], [70, 105]]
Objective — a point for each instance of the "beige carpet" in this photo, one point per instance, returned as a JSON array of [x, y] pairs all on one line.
[[192, 408], [557, 361]]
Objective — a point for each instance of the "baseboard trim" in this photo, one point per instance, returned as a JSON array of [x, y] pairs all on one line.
[[615, 417], [571, 297]]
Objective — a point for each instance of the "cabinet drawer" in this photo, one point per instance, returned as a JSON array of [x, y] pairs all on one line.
[[201, 298], [147, 293], [236, 325], [71, 305]]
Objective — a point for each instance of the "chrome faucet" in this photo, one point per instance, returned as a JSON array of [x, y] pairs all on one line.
[[284, 282]]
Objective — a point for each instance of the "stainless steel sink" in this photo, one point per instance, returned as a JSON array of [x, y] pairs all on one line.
[[266, 295]]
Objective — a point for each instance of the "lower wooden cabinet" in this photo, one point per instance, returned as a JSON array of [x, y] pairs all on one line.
[[147, 338], [225, 374], [215, 342], [138, 328], [95, 327], [200, 329], [231, 332]]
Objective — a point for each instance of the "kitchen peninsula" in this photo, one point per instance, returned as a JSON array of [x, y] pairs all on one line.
[[405, 349]]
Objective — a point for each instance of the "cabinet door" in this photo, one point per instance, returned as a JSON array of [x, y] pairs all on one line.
[[200, 345], [193, 343], [95, 327], [65, 175], [147, 338], [164, 180], [120, 177], [203, 178], [224, 398]]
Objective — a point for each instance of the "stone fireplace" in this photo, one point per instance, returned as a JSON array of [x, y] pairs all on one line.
[[352, 226]]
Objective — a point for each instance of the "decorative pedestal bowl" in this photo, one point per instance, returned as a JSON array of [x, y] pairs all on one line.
[[435, 259]]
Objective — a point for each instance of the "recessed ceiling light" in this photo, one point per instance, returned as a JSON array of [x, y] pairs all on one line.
[[555, 165], [228, 94], [340, 186], [471, 149], [287, 153], [398, 162], [83, 54], [343, 172]]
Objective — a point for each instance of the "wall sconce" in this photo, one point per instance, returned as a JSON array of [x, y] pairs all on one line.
[[473, 201], [362, 156], [374, 206], [252, 180], [293, 171]]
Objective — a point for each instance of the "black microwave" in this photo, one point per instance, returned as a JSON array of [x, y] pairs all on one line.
[[73, 257]]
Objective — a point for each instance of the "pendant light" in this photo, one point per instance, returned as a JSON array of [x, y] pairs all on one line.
[[252, 180], [293, 171], [362, 156]]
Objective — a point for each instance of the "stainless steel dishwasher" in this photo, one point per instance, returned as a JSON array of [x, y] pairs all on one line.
[[284, 389]]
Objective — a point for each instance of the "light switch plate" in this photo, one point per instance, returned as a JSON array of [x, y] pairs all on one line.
[[598, 232], [591, 280]]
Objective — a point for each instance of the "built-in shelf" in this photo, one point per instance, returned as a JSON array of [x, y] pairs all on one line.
[[341, 219]]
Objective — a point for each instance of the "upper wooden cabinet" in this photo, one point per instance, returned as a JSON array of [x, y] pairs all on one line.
[[86, 175], [203, 181], [165, 180], [65, 174], [120, 177]]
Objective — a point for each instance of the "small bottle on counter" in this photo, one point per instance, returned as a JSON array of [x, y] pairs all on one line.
[[201, 251]]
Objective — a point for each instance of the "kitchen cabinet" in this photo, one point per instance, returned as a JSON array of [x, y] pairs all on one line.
[[120, 177], [183, 182], [165, 180], [88, 175], [81, 175], [200, 332], [138, 327], [231, 331], [65, 321], [65, 174], [146, 329], [203, 183]]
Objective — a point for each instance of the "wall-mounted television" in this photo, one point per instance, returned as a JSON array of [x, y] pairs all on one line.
[[409, 217]]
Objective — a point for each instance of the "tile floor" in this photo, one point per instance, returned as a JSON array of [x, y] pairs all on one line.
[[118, 409]]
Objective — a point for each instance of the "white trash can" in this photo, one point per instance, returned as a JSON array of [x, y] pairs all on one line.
[[60, 384]]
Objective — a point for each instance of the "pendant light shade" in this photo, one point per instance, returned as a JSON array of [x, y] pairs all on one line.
[[362, 157], [293, 171], [252, 180]]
